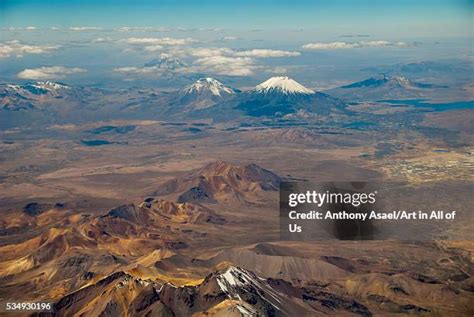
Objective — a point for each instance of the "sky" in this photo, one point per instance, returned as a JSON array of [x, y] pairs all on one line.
[[390, 18], [109, 41]]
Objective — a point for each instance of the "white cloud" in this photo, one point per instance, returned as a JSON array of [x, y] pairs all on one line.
[[52, 72], [347, 45], [220, 65], [277, 70], [14, 28], [210, 51], [262, 53], [150, 70], [329, 46], [210, 29], [257, 53], [136, 70], [230, 38], [213, 60], [403, 44], [159, 41], [226, 61], [106, 39], [153, 48], [18, 49], [142, 29], [374, 43], [225, 65], [85, 28]]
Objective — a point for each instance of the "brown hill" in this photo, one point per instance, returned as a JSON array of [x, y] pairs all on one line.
[[119, 294], [182, 212], [222, 182]]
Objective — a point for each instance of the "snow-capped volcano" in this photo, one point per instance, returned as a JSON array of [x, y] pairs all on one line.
[[279, 96], [209, 85], [166, 62], [202, 94], [282, 84]]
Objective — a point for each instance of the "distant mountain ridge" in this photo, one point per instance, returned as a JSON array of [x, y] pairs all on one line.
[[394, 81], [15, 97], [31, 90], [231, 291], [384, 87], [205, 98]]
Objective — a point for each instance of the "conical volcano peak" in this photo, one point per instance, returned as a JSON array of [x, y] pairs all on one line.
[[166, 61], [211, 85], [283, 84]]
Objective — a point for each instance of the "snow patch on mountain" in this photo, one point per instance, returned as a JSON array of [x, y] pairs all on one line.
[[31, 90], [50, 85], [234, 281], [211, 85], [246, 309]]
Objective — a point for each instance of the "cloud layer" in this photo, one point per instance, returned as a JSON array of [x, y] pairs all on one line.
[[348, 45], [262, 53], [213, 60], [226, 61], [18, 49], [216, 60], [226, 65], [159, 41], [85, 28], [198, 57], [138, 70], [53, 72]]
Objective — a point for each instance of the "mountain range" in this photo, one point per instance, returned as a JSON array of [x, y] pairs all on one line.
[[175, 254], [384, 87], [205, 98], [230, 291], [275, 98], [23, 97], [278, 98]]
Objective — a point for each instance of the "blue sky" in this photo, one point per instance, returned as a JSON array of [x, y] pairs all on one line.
[[100, 42], [391, 18]]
